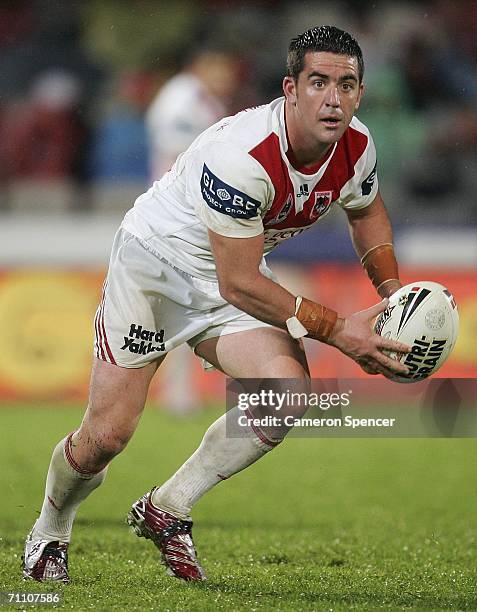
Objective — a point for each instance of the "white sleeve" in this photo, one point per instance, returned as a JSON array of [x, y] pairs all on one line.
[[229, 190], [362, 188]]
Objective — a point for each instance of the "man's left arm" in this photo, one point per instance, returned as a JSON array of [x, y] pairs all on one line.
[[372, 237]]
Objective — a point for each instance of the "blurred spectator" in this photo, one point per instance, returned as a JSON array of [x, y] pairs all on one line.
[[455, 60], [419, 73], [119, 146], [44, 137], [190, 102], [444, 167]]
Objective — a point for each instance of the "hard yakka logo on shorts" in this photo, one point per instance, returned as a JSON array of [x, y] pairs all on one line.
[[150, 341]]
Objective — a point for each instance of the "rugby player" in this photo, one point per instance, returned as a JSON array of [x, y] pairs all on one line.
[[187, 266]]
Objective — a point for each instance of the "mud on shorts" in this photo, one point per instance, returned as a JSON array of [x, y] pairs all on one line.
[[149, 307]]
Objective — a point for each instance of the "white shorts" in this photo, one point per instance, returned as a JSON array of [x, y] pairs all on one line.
[[149, 307]]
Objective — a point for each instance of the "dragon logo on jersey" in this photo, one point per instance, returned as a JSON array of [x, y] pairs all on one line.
[[367, 184], [226, 199], [283, 214], [321, 205]]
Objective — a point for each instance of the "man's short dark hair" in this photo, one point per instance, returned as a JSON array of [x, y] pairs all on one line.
[[322, 38]]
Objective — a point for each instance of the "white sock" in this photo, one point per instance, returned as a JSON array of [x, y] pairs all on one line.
[[67, 485], [217, 458]]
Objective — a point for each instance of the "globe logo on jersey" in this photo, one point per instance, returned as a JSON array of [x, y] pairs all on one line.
[[321, 205], [225, 199], [223, 194]]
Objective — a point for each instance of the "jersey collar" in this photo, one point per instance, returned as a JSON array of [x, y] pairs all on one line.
[[318, 169]]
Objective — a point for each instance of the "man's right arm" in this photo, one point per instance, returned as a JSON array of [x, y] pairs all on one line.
[[242, 284]]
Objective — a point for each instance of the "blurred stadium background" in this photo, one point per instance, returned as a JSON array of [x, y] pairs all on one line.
[[76, 81]]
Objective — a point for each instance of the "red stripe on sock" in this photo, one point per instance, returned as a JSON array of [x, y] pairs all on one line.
[[259, 433], [70, 459], [53, 503]]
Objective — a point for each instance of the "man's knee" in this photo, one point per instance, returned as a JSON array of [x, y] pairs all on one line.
[[117, 397], [110, 436], [274, 404], [99, 440], [109, 442], [290, 395]]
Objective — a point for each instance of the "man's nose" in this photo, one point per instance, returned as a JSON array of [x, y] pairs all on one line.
[[332, 97]]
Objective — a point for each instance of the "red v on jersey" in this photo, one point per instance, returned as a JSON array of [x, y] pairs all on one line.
[[319, 196]]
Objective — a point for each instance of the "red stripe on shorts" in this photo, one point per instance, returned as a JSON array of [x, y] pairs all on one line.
[[108, 349], [96, 334], [100, 351]]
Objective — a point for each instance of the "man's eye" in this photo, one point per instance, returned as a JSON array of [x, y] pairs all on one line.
[[318, 84], [347, 86]]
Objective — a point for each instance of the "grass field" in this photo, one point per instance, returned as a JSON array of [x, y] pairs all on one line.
[[316, 525]]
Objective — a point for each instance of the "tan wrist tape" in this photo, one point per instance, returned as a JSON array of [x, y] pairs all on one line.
[[317, 319], [380, 264], [390, 280]]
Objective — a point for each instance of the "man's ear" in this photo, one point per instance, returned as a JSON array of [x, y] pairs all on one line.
[[360, 95], [289, 89]]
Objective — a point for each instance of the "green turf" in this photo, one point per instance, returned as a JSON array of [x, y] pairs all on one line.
[[316, 525]]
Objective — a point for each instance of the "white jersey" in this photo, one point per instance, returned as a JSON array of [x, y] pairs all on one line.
[[182, 109], [237, 180]]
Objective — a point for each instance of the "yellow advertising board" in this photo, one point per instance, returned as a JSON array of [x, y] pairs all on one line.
[[46, 321]]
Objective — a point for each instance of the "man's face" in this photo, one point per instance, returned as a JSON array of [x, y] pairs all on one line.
[[326, 95]]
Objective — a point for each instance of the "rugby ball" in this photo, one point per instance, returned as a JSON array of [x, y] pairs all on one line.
[[424, 316]]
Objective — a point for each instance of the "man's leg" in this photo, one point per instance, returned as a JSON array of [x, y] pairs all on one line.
[[163, 514], [79, 462], [259, 353]]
